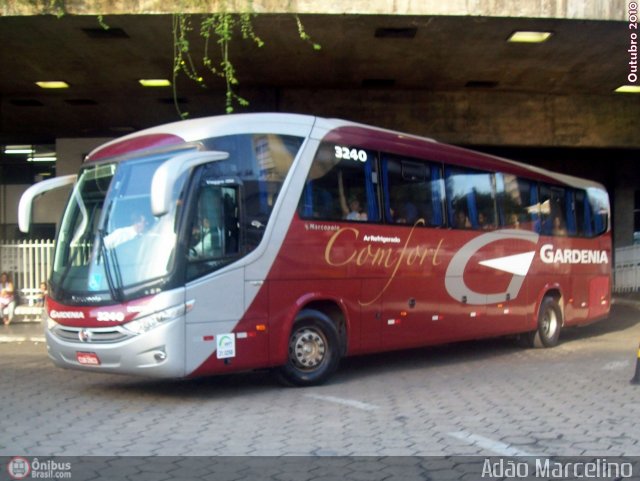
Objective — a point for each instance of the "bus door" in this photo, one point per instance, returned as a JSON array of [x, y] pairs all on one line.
[[413, 195], [215, 239]]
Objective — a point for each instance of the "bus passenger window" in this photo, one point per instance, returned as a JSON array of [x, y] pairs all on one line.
[[600, 209], [517, 202], [340, 185], [412, 191], [352, 208], [553, 211], [471, 198]]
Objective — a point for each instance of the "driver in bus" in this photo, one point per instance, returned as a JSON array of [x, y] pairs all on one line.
[[201, 239], [124, 234]]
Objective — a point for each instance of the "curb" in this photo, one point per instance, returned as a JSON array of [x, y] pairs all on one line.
[[20, 338], [621, 301]]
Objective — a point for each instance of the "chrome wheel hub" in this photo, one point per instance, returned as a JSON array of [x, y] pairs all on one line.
[[307, 348]]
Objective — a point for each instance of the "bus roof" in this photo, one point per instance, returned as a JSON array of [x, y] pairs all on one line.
[[174, 134]]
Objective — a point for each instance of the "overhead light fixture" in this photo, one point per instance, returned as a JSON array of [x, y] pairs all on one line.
[[18, 149], [43, 157], [628, 89], [52, 84], [155, 82], [529, 36]]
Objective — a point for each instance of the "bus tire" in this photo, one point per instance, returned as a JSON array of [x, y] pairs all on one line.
[[549, 324], [313, 350]]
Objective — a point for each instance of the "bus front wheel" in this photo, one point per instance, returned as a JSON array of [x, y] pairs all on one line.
[[313, 350], [549, 324]]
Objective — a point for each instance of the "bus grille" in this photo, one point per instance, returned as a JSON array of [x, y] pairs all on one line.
[[100, 335]]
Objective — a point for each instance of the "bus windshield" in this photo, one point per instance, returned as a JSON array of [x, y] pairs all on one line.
[[110, 246], [109, 242]]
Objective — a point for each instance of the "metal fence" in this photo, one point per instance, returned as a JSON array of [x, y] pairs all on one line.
[[29, 264], [627, 269]]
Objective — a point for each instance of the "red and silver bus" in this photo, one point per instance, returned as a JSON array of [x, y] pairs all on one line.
[[233, 243]]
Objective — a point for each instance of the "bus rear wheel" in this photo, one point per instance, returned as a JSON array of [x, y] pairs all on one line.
[[549, 324], [313, 351]]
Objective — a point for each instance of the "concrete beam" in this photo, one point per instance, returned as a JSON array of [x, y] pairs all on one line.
[[483, 118], [562, 9]]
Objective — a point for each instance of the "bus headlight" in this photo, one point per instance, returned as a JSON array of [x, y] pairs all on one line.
[[146, 323]]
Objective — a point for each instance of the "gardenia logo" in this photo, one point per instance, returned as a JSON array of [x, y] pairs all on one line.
[[549, 255], [66, 314]]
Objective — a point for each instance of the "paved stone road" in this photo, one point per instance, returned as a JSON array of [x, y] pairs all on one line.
[[488, 398]]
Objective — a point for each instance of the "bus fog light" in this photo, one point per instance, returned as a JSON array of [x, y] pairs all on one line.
[[160, 356], [146, 323]]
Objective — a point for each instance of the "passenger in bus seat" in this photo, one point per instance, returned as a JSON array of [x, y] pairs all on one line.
[[353, 209], [483, 222], [461, 221], [559, 228]]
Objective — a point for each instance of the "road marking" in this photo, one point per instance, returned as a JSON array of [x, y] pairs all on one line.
[[615, 365], [496, 446], [345, 402]]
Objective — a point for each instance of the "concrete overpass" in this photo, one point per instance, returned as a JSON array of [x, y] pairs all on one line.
[[442, 69]]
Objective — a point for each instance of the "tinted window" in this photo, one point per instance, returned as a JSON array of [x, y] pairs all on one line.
[[412, 191], [341, 185], [553, 211], [470, 198], [599, 203], [517, 202]]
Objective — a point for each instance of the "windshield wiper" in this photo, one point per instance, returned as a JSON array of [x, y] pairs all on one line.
[[114, 287]]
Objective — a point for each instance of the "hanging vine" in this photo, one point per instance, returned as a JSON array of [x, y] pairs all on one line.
[[218, 28]]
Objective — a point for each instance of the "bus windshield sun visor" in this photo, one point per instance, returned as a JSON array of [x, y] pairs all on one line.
[[169, 171], [26, 201]]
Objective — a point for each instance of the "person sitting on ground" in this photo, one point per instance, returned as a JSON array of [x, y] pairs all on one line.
[[7, 298]]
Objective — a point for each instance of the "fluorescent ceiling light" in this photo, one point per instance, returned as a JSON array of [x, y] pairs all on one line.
[[18, 149], [155, 82], [52, 84], [522, 36], [628, 89], [42, 158]]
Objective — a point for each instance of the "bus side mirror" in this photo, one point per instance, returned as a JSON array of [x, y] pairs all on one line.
[[167, 174], [26, 201]]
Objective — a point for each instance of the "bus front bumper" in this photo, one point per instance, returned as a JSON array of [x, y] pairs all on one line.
[[155, 353]]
